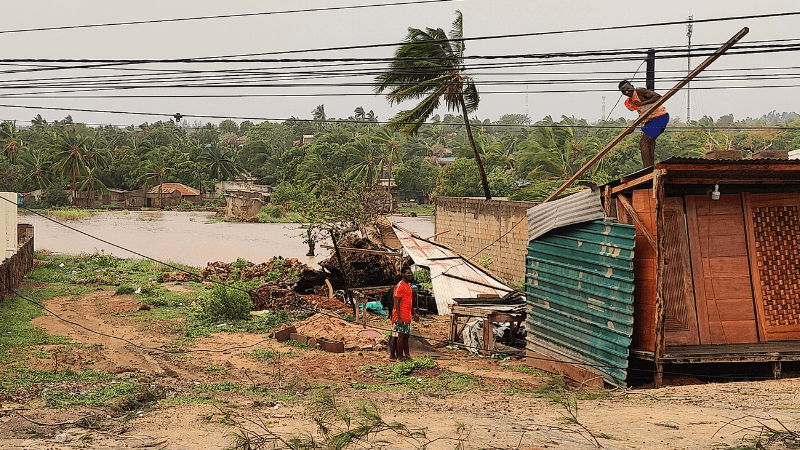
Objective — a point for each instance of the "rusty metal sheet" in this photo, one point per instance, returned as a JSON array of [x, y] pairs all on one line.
[[445, 265]]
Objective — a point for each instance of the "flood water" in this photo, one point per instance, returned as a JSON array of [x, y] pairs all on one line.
[[191, 238]]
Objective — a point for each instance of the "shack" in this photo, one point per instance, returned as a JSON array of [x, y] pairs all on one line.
[[715, 271], [173, 194]]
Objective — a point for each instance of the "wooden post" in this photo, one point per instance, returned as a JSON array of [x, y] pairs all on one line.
[[658, 351], [655, 106], [347, 294]]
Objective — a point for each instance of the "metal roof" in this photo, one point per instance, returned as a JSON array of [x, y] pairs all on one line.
[[581, 206], [579, 288], [451, 274], [169, 187]]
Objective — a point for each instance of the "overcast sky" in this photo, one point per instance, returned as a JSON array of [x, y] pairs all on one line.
[[521, 86]]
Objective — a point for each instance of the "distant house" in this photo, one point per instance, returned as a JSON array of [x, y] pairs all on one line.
[[173, 194], [308, 139], [445, 160], [794, 154]]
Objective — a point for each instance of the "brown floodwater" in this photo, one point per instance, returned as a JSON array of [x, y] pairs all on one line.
[[191, 238]]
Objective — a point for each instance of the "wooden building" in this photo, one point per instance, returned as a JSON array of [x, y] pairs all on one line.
[[717, 260], [688, 261]]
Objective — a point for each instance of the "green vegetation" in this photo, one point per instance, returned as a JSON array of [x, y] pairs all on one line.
[[69, 213], [420, 210], [224, 304], [124, 396]]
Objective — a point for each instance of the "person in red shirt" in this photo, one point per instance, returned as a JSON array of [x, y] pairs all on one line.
[[402, 314]]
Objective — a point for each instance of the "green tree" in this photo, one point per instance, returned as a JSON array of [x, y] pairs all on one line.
[[416, 175], [220, 162], [69, 149], [319, 116], [11, 141], [430, 66]]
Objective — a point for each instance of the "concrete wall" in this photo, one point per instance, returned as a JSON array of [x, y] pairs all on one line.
[[475, 223]]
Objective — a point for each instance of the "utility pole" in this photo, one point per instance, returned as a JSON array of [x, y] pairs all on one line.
[[688, 67], [650, 78]]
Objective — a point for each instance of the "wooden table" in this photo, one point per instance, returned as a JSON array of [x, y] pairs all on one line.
[[489, 314]]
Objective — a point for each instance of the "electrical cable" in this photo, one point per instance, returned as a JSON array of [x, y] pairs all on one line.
[[220, 16]]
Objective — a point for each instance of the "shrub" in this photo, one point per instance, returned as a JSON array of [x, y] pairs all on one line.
[[125, 289], [274, 211], [224, 304]]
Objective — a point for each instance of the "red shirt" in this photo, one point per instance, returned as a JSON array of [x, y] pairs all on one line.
[[403, 290]]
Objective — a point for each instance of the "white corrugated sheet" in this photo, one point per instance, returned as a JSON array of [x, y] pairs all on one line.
[[579, 207], [446, 288]]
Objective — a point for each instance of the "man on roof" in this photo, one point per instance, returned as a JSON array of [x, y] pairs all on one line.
[[641, 100]]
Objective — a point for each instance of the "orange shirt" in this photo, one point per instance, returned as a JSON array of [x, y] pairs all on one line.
[[403, 290], [659, 112]]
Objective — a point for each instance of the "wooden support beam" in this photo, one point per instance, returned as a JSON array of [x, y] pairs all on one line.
[[638, 221], [641, 119], [713, 181], [661, 313], [607, 200], [632, 184]]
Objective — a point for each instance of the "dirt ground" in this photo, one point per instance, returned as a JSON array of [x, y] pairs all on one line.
[[502, 413]]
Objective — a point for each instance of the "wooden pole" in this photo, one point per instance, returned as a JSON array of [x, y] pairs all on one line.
[[661, 237], [654, 107], [344, 275]]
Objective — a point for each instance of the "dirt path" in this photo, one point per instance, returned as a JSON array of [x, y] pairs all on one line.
[[495, 415]]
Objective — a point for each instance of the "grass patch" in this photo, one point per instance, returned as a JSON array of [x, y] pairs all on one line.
[[216, 388], [124, 396], [18, 377], [414, 208], [405, 376], [69, 213], [19, 337], [524, 369]]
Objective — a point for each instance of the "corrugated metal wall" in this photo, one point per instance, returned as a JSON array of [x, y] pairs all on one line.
[[579, 287]]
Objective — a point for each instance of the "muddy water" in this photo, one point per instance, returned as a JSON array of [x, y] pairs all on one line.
[[191, 238]]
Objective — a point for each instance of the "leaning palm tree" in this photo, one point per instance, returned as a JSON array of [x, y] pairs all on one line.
[[430, 65]]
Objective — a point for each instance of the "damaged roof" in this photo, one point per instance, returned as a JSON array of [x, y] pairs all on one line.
[[169, 187], [452, 275]]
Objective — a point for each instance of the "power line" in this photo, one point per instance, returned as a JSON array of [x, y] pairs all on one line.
[[221, 16]]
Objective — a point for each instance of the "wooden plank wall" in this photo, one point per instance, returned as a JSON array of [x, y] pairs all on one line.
[[645, 267]]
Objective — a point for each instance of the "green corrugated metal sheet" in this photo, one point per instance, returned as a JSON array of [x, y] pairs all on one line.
[[579, 287]]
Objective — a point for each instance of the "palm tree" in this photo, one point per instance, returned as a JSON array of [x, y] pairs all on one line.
[[365, 169], [37, 168], [11, 142], [221, 162], [89, 182], [70, 148], [430, 65], [359, 113], [319, 116], [553, 152]]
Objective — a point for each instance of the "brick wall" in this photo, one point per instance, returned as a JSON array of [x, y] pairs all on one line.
[[475, 223], [14, 268]]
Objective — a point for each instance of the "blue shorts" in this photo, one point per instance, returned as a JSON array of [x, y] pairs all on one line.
[[654, 127]]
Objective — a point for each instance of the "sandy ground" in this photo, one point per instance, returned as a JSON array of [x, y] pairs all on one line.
[[699, 416]]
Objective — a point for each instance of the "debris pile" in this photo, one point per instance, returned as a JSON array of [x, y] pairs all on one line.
[[176, 276], [276, 269], [327, 303], [321, 326], [362, 269], [276, 296]]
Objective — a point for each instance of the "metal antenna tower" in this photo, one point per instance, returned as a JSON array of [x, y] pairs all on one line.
[[526, 101], [688, 66], [603, 114]]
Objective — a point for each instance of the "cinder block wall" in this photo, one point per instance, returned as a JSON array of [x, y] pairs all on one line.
[[475, 223]]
